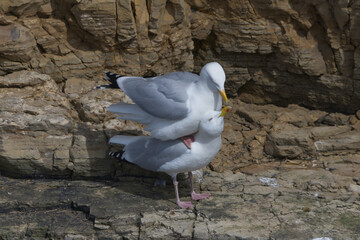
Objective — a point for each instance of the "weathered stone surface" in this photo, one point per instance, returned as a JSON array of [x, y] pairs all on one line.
[[285, 204], [88, 153], [40, 133], [255, 133], [273, 52], [283, 47], [92, 105], [354, 23], [17, 44], [357, 63], [334, 119], [76, 87], [341, 142], [294, 142], [35, 107], [6, 20], [126, 28], [23, 79], [36, 123], [201, 25], [23, 8], [279, 52], [97, 18], [289, 142], [113, 31]]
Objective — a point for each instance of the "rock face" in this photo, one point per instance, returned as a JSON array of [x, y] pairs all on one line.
[[285, 51], [52, 53], [273, 52], [258, 133], [288, 167], [42, 133], [76, 39], [46, 131]]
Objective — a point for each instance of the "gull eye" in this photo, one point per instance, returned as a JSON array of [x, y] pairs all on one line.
[[210, 119]]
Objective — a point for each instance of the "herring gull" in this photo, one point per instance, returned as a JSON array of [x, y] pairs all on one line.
[[173, 157], [172, 105]]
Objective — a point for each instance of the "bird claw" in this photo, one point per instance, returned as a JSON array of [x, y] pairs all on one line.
[[198, 196], [185, 205]]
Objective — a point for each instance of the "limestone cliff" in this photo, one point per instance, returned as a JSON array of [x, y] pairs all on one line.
[[304, 52], [52, 52]]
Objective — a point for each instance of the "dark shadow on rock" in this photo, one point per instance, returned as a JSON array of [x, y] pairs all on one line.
[[90, 159], [88, 154]]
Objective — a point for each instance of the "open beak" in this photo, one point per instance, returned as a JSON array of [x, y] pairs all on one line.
[[224, 111], [223, 95]]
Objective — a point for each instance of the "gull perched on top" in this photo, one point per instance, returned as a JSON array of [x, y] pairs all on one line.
[[171, 156], [172, 105]]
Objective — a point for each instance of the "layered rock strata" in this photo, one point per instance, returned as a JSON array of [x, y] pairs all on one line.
[[273, 52], [52, 54]]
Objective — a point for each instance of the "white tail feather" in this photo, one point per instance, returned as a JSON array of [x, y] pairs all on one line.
[[130, 112], [123, 108], [122, 140]]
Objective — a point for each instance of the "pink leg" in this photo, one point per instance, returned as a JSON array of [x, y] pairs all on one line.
[[178, 202], [187, 140], [194, 195]]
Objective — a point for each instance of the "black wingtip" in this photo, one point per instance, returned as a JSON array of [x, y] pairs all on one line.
[[112, 77], [104, 86], [117, 155]]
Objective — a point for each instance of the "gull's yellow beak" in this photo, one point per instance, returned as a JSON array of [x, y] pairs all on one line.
[[223, 95], [224, 111]]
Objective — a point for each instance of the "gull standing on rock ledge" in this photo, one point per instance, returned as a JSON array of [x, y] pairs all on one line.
[[171, 156], [171, 105]]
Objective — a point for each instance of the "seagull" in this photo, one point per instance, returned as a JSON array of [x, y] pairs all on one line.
[[172, 105], [172, 156]]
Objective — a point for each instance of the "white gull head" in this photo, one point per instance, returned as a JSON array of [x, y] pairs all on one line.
[[215, 75], [213, 122]]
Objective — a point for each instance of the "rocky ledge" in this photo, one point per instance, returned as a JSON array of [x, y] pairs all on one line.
[[285, 201]]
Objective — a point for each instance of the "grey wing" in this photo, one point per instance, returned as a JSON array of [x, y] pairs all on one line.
[[164, 97], [151, 154], [187, 77]]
